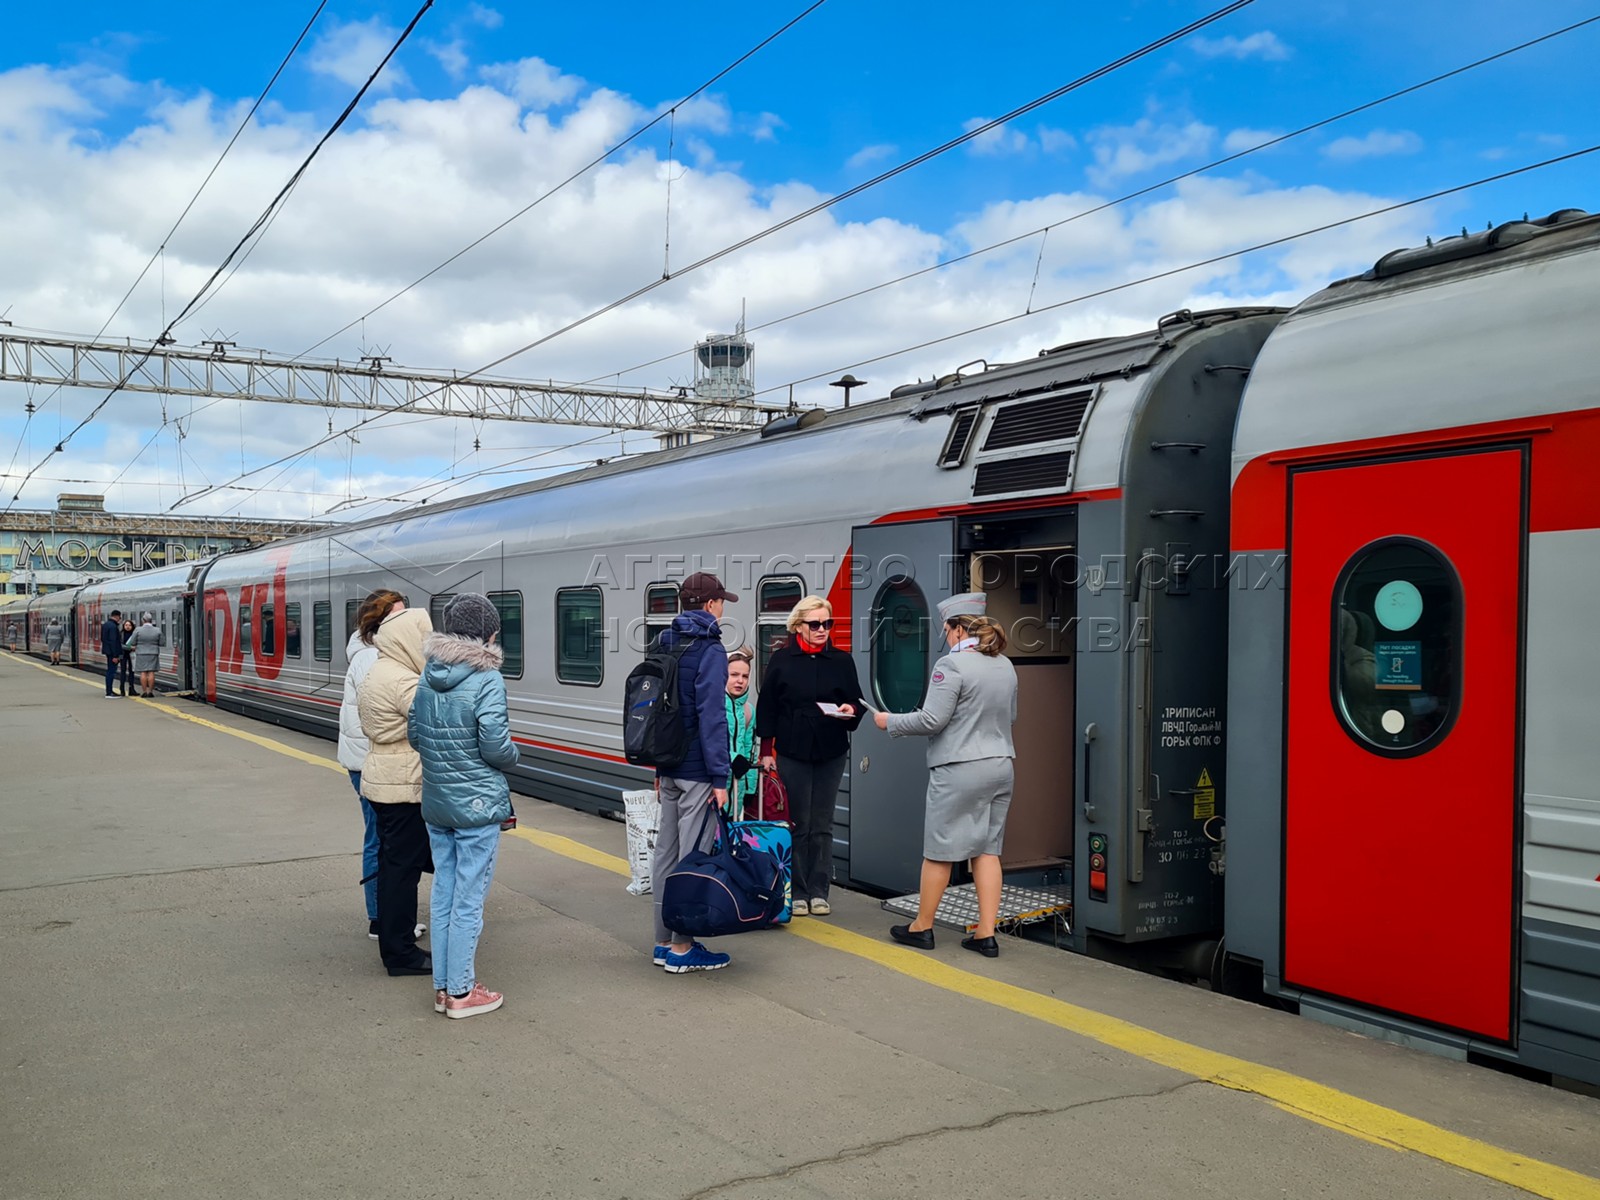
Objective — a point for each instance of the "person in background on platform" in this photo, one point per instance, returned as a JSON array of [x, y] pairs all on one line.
[[146, 644], [966, 717], [461, 727], [741, 732], [359, 657], [391, 780], [125, 674], [806, 744], [702, 777], [111, 647], [54, 634]]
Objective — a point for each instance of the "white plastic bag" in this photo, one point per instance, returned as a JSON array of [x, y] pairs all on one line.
[[642, 811]]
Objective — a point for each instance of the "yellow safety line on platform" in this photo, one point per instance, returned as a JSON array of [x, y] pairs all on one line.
[[1305, 1098]]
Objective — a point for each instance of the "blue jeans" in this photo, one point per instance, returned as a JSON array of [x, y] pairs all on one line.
[[369, 849], [112, 663], [463, 862]]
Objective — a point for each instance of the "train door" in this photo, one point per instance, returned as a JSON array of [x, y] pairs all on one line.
[[1401, 820], [902, 572]]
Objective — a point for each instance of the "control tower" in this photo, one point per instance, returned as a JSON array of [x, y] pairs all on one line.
[[724, 372]]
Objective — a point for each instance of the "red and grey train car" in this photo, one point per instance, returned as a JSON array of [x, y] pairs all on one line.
[[1206, 540], [1414, 774]]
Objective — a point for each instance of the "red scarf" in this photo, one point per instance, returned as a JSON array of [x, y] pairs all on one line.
[[807, 648]]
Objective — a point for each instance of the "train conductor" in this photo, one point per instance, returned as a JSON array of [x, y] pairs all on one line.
[[966, 717]]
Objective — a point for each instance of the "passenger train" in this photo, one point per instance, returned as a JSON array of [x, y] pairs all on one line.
[[1296, 602]]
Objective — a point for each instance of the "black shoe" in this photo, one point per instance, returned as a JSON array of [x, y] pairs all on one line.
[[987, 947], [423, 965], [922, 939]]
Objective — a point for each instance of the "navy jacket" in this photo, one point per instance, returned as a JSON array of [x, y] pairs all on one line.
[[111, 639], [702, 684], [461, 729]]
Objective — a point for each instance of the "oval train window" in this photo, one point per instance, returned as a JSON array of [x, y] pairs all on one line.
[[1397, 634], [899, 645]]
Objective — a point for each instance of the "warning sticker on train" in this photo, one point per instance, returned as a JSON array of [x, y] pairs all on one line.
[[1205, 796]]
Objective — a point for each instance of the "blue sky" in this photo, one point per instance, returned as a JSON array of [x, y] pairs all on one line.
[[111, 122]]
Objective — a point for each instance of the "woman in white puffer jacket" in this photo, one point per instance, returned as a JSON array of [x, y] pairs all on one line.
[[353, 744]]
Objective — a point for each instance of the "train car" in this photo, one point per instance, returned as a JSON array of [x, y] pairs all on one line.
[[1413, 832], [14, 623], [1085, 490], [56, 606], [167, 594]]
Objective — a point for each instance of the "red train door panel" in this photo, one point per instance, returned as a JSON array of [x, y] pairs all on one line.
[[1400, 828]]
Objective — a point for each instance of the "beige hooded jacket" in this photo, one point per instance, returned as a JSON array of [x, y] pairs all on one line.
[[392, 773]]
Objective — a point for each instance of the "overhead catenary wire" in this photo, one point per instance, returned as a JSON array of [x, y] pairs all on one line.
[[1194, 266], [1266, 144], [167, 239], [578, 174], [259, 223], [976, 132]]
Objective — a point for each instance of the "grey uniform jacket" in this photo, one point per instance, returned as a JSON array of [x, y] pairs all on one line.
[[967, 715], [146, 643]]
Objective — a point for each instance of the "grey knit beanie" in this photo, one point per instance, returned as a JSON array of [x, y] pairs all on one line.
[[472, 615]]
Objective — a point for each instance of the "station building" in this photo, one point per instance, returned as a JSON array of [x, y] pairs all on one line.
[[44, 550]]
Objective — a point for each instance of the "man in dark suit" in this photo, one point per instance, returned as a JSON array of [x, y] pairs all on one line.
[[111, 647]]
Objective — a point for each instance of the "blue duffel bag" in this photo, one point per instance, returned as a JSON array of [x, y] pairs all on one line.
[[730, 889]]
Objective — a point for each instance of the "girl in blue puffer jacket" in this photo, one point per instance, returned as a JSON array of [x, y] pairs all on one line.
[[460, 726]]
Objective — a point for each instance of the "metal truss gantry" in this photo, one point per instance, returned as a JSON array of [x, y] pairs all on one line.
[[229, 374]]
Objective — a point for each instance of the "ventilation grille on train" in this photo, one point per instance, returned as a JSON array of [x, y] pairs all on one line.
[[1035, 421], [1038, 472], [960, 439]]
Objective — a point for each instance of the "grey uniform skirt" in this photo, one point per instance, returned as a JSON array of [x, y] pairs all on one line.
[[967, 806]]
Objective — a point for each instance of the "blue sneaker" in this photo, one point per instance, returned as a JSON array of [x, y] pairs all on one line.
[[660, 955], [695, 958]]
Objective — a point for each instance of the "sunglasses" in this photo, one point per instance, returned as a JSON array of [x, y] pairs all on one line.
[[815, 625]]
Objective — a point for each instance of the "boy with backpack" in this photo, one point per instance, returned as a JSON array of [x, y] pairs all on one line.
[[695, 680]]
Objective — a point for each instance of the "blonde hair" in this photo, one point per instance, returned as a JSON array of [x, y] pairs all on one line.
[[807, 604], [991, 637]]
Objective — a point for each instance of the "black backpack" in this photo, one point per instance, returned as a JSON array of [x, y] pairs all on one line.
[[653, 731]]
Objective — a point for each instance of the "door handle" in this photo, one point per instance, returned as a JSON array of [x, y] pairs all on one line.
[[866, 762]]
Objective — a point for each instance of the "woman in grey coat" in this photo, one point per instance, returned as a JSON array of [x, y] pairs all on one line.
[[54, 635], [967, 718], [146, 644]]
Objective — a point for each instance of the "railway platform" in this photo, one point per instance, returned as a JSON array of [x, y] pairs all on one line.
[[192, 1009]]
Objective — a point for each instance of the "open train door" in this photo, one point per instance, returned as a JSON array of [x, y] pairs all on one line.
[[1404, 671], [900, 574]]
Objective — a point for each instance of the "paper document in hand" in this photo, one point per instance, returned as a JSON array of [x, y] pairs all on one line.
[[832, 710], [868, 705]]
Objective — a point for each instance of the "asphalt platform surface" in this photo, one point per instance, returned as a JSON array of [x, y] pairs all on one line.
[[190, 1007]]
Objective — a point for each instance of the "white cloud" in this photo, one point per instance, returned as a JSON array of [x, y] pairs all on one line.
[[999, 141], [870, 154], [1376, 144], [766, 127], [420, 178], [452, 56], [534, 82], [1244, 139], [481, 14], [349, 52], [1056, 141], [1123, 150], [1264, 45]]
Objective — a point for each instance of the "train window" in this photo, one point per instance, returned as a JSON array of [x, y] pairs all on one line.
[[580, 636], [660, 606], [1397, 646], [351, 607], [322, 630], [509, 606], [775, 600], [291, 630], [246, 646], [436, 608], [899, 645], [269, 631]]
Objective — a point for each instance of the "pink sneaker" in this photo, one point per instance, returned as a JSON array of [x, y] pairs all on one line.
[[439, 998], [478, 1000]]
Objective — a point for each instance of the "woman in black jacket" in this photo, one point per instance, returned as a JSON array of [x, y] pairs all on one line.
[[809, 745]]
